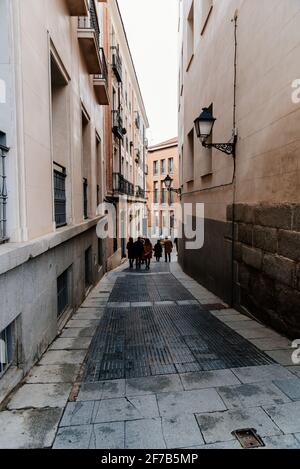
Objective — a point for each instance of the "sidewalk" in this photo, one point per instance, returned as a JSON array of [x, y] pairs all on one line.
[[154, 360]]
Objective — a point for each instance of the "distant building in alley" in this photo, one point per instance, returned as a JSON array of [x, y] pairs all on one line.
[[72, 135], [127, 143], [162, 161], [238, 60]]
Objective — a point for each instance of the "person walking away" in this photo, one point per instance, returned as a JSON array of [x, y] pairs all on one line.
[[130, 250], [138, 248], [148, 249], [158, 251], [168, 245]]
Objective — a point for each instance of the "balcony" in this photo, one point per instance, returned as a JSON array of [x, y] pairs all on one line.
[[101, 81], [121, 185], [117, 64], [140, 193], [117, 125], [89, 39], [137, 120], [137, 156], [78, 7]]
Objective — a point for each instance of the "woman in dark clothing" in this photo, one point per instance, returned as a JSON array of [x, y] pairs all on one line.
[[138, 250], [148, 253], [130, 249], [158, 251]]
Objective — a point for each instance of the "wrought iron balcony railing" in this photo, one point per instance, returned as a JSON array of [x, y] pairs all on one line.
[[117, 64], [141, 193], [3, 194], [104, 73], [121, 185], [137, 120], [91, 21], [137, 155], [117, 124]]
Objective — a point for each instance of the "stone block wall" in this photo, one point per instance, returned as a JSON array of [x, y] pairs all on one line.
[[267, 263]]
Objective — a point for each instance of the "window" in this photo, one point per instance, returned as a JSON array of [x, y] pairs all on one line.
[[60, 195], [190, 35], [3, 188], [207, 6], [163, 193], [164, 219], [87, 169], [163, 166], [156, 221], [170, 165], [6, 348], [99, 168], [60, 135], [189, 163], [88, 267], [155, 168], [172, 220], [62, 293], [205, 166], [85, 198], [171, 196], [156, 192]]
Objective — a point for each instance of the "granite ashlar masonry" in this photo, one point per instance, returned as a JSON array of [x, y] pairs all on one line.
[[267, 263]]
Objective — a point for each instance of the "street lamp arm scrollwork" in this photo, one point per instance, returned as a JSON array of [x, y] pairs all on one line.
[[204, 126]]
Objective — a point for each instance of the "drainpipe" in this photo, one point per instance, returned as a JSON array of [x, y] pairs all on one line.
[[235, 21]]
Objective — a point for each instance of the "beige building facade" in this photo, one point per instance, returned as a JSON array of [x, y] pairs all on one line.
[[240, 59], [57, 138], [162, 161]]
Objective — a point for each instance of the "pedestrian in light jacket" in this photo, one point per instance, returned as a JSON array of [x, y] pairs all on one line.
[[168, 245]]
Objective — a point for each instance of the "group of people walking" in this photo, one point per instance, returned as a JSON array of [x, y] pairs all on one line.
[[141, 251]]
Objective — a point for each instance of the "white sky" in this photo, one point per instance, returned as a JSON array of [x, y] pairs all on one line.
[[151, 27]]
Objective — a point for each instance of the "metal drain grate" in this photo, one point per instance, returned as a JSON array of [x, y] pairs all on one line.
[[136, 342], [143, 288], [248, 438]]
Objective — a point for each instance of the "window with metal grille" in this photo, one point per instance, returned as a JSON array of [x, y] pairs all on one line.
[[62, 292], [3, 189], [88, 267], [85, 198], [60, 201], [6, 348]]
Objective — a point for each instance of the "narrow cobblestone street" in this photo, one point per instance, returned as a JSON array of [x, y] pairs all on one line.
[[154, 360]]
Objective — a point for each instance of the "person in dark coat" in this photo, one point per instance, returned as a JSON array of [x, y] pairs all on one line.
[[130, 250], [148, 250], [158, 251], [138, 249]]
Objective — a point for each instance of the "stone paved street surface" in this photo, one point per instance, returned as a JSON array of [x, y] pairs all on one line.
[[154, 360]]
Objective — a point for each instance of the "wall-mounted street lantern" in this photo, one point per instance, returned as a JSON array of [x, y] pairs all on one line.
[[168, 183], [204, 126]]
